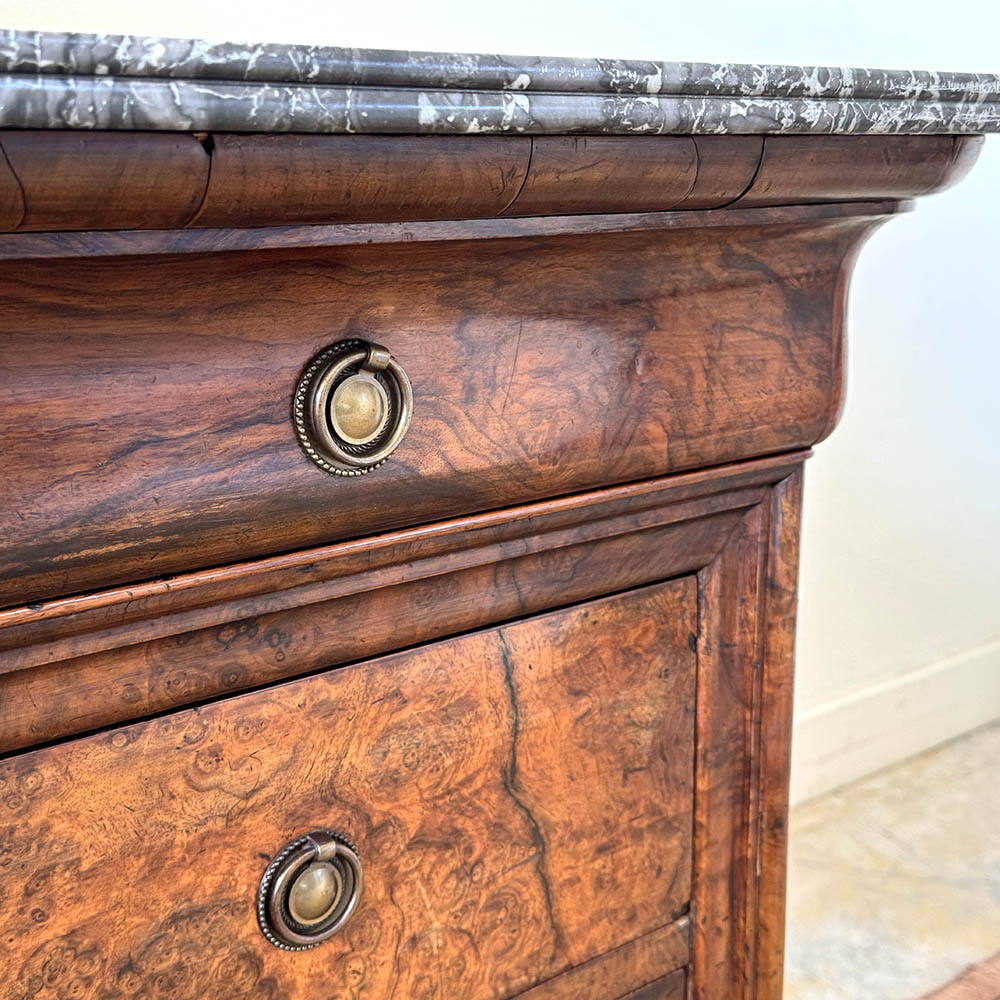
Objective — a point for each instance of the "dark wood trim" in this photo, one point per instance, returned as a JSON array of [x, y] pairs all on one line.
[[729, 591], [626, 968], [106, 180], [31, 246], [261, 180], [92, 180], [816, 168], [670, 987]]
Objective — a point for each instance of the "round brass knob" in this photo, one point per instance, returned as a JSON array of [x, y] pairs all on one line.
[[352, 407], [309, 890]]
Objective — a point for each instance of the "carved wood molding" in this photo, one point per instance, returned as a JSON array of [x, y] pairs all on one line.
[[156, 646], [66, 180]]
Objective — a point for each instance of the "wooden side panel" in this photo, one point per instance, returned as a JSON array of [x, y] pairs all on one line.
[[775, 740], [267, 180], [157, 436], [107, 180], [521, 799], [723, 921], [745, 665], [604, 978], [798, 168], [571, 174]]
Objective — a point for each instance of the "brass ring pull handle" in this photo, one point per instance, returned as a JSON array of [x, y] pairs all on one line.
[[352, 407], [309, 890]]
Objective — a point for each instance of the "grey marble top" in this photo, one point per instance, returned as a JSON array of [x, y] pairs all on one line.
[[52, 80]]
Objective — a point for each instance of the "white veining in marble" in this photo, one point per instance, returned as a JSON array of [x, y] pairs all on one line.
[[53, 80]]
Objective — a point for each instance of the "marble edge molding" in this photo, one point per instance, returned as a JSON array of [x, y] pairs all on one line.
[[32, 52], [194, 106], [60, 80]]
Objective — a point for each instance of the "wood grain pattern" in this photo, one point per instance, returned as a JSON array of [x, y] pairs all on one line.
[[143, 243], [250, 644], [107, 688], [774, 739], [107, 180], [587, 803], [724, 924], [71, 626], [11, 196], [168, 442], [727, 165], [605, 977], [78, 180], [480, 778], [745, 657], [821, 168], [669, 988], [572, 174], [260, 180]]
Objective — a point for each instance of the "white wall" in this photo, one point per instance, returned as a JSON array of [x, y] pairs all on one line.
[[900, 607]]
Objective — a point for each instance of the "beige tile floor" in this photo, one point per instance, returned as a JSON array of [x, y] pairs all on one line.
[[894, 881]]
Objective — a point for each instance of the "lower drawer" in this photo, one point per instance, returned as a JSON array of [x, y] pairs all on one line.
[[520, 799]]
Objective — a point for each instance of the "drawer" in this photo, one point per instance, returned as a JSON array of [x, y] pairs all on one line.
[[520, 799], [146, 433]]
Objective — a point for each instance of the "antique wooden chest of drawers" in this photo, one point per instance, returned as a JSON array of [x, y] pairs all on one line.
[[402, 477]]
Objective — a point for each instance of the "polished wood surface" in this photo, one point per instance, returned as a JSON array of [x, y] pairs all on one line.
[[610, 358], [823, 168], [80, 180], [774, 735], [746, 620], [623, 967], [77, 665], [571, 174], [151, 242], [106, 180], [266, 179], [621, 350], [11, 197], [521, 799], [671, 987]]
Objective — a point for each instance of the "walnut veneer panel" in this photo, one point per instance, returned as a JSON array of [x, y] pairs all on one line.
[[99, 180], [106, 180], [521, 798], [647, 174], [798, 168], [148, 433], [270, 179], [570, 174]]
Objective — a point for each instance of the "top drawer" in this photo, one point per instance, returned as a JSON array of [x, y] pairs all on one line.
[[146, 402]]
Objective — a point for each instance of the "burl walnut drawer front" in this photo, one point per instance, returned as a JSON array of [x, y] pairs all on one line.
[[146, 404], [520, 799]]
